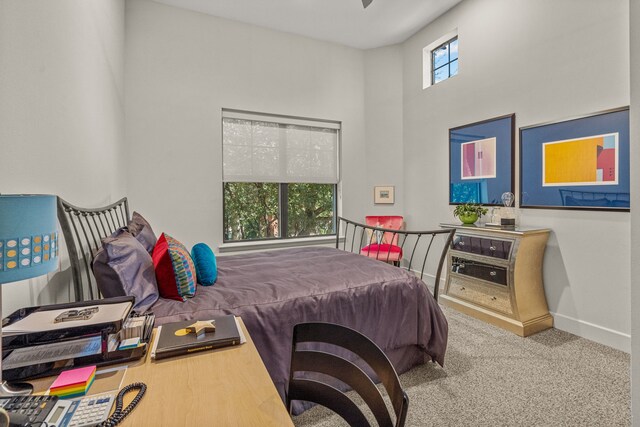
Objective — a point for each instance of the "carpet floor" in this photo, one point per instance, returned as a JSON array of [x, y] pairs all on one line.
[[495, 378]]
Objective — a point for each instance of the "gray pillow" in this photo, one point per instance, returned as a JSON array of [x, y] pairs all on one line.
[[141, 230], [124, 267]]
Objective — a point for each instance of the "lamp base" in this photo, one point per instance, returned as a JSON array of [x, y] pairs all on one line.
[[15, 389]]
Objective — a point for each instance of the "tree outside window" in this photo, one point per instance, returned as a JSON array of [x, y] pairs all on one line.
[[258, 210]]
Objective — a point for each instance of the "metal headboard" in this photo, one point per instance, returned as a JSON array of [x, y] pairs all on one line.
[[83, 230], [354, 240]]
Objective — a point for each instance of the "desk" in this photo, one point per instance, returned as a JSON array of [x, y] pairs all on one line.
[[228, 387]]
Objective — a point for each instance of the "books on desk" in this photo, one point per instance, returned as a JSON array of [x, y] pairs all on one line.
[[172, 339]]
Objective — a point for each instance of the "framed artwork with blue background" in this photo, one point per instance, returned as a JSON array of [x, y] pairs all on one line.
[[481, 157], [580, 163]]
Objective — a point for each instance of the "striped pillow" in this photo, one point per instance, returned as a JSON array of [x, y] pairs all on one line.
[[175, 271]]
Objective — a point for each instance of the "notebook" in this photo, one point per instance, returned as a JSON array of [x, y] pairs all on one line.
[[172, 339]]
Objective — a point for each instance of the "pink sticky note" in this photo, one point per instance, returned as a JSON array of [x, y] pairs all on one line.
[[74, 377]]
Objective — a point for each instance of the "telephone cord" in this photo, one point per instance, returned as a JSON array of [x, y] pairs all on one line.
[[119, 414]]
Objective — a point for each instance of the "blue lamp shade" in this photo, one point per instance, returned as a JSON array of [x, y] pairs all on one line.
[[28, 236]]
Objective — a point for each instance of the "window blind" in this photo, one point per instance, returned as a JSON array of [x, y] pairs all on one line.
[[259, 148]]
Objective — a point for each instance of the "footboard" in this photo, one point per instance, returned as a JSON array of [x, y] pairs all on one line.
[[418, 249]]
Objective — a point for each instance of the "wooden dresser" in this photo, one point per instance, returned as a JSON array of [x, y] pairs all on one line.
[[495, 275]]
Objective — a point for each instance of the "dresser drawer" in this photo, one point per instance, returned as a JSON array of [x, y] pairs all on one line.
[[479, 270], [489, 296], [496, 248]]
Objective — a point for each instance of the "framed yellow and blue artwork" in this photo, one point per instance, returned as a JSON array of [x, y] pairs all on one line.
[[481, 157], [581, 163]]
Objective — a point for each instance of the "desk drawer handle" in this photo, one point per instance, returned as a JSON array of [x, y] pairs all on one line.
[[493, 273], [461, 243], [493, 298], [462, 288], [492, 248]]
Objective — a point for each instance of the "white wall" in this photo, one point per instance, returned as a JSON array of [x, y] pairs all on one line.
[[62, 126], [383, 125], [61, 112], [544, 60], [635, 212], [182, 68]]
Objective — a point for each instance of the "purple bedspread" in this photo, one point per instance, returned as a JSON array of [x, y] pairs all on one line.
[[272, 291]]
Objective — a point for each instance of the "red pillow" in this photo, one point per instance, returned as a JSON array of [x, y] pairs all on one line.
[[175, 271]]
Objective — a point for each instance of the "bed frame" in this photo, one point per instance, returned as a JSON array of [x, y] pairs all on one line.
[[83, 230], [356, 235]]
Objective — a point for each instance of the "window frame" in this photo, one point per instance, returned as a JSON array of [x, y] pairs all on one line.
[[287, 120], [427, 58], [283, 216], [447, 64]]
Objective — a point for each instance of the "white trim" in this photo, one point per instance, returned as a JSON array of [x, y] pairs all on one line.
[[277, 243], [280, 119], [587, 330], [426, 57], [431, 276], [443, 279], [600, 334]]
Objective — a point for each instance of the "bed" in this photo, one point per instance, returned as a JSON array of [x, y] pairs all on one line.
[[274, 290]]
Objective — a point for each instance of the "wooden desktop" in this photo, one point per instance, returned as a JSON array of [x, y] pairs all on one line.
[[229, 387]]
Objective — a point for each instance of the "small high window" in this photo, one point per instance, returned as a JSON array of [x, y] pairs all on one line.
[[440, 59], [444, 61]]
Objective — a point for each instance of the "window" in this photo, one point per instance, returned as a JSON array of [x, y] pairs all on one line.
[[440, 59], [280, 176], [444, 61]]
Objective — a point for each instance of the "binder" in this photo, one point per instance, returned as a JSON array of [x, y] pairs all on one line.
[[170, 344]]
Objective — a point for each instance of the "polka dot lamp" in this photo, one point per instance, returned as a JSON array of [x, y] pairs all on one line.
[[28, 236], [28, 248]]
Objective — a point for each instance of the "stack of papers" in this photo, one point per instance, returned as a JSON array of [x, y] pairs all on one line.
[[133, 327], [73, 383], [46, 353]]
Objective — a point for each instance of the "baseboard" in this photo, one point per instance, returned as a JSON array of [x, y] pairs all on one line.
[[593, 332], [600, 334], [430, 276]]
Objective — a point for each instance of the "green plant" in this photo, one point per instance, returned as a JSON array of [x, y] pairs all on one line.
[[468, 209]]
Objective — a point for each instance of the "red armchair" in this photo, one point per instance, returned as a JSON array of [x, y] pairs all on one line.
[[384, 246]]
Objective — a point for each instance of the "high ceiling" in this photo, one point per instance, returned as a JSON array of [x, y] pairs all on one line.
[[383, 23]]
